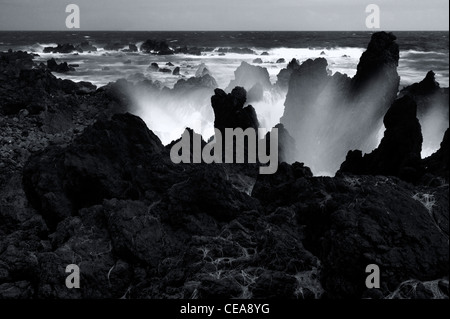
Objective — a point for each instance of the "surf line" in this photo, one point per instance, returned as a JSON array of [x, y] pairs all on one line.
[[233, 137]]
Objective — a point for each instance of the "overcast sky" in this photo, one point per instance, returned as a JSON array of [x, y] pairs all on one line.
[[271, 15]]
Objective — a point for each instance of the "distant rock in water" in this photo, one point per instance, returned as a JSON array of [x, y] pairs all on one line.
[[236, 50], [191, 50], [330, 115], [131, 48], [204, 82], [62, 48], [165, 70], [153, 66], [257, 61], [247, 75], [229, 110], [282, 60], [61, 68], [265, 53], [156, 47], [86, 47], [399, 151], [176, 71]]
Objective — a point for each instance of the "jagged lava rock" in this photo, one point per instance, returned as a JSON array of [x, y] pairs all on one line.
[[399, 151], [432, 109], [58, 181], [229, 110]]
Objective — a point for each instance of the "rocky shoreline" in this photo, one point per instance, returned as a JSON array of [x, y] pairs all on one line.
[[82, 181]]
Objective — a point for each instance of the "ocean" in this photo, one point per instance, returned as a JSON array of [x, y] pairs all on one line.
[[420, 52]]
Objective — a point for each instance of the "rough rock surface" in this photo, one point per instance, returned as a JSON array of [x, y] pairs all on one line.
[[229, 110], [82, 182]]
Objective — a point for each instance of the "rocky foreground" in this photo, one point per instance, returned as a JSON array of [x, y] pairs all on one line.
[[84, 182]]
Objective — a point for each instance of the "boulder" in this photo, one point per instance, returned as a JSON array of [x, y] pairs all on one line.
[[176, 71]]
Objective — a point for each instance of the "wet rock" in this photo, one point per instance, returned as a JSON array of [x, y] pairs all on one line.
[[176, 71]]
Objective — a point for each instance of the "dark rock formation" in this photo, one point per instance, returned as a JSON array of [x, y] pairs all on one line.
[[62, 48], [53, 66], [165, 70], [205, 81], [432, 109], [156, 47], [191, 50], [379, 61], [349, 232], [86, 47], [126, 146], [143, 227], [236, 50], [34, 89], [257, 60], [437, 163], [176, 71], [131, 48], [399, 151], [154, 66], [229, 110], [247, 75], [281, 60]]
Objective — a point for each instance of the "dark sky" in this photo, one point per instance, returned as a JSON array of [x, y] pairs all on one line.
[[271, 15]]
